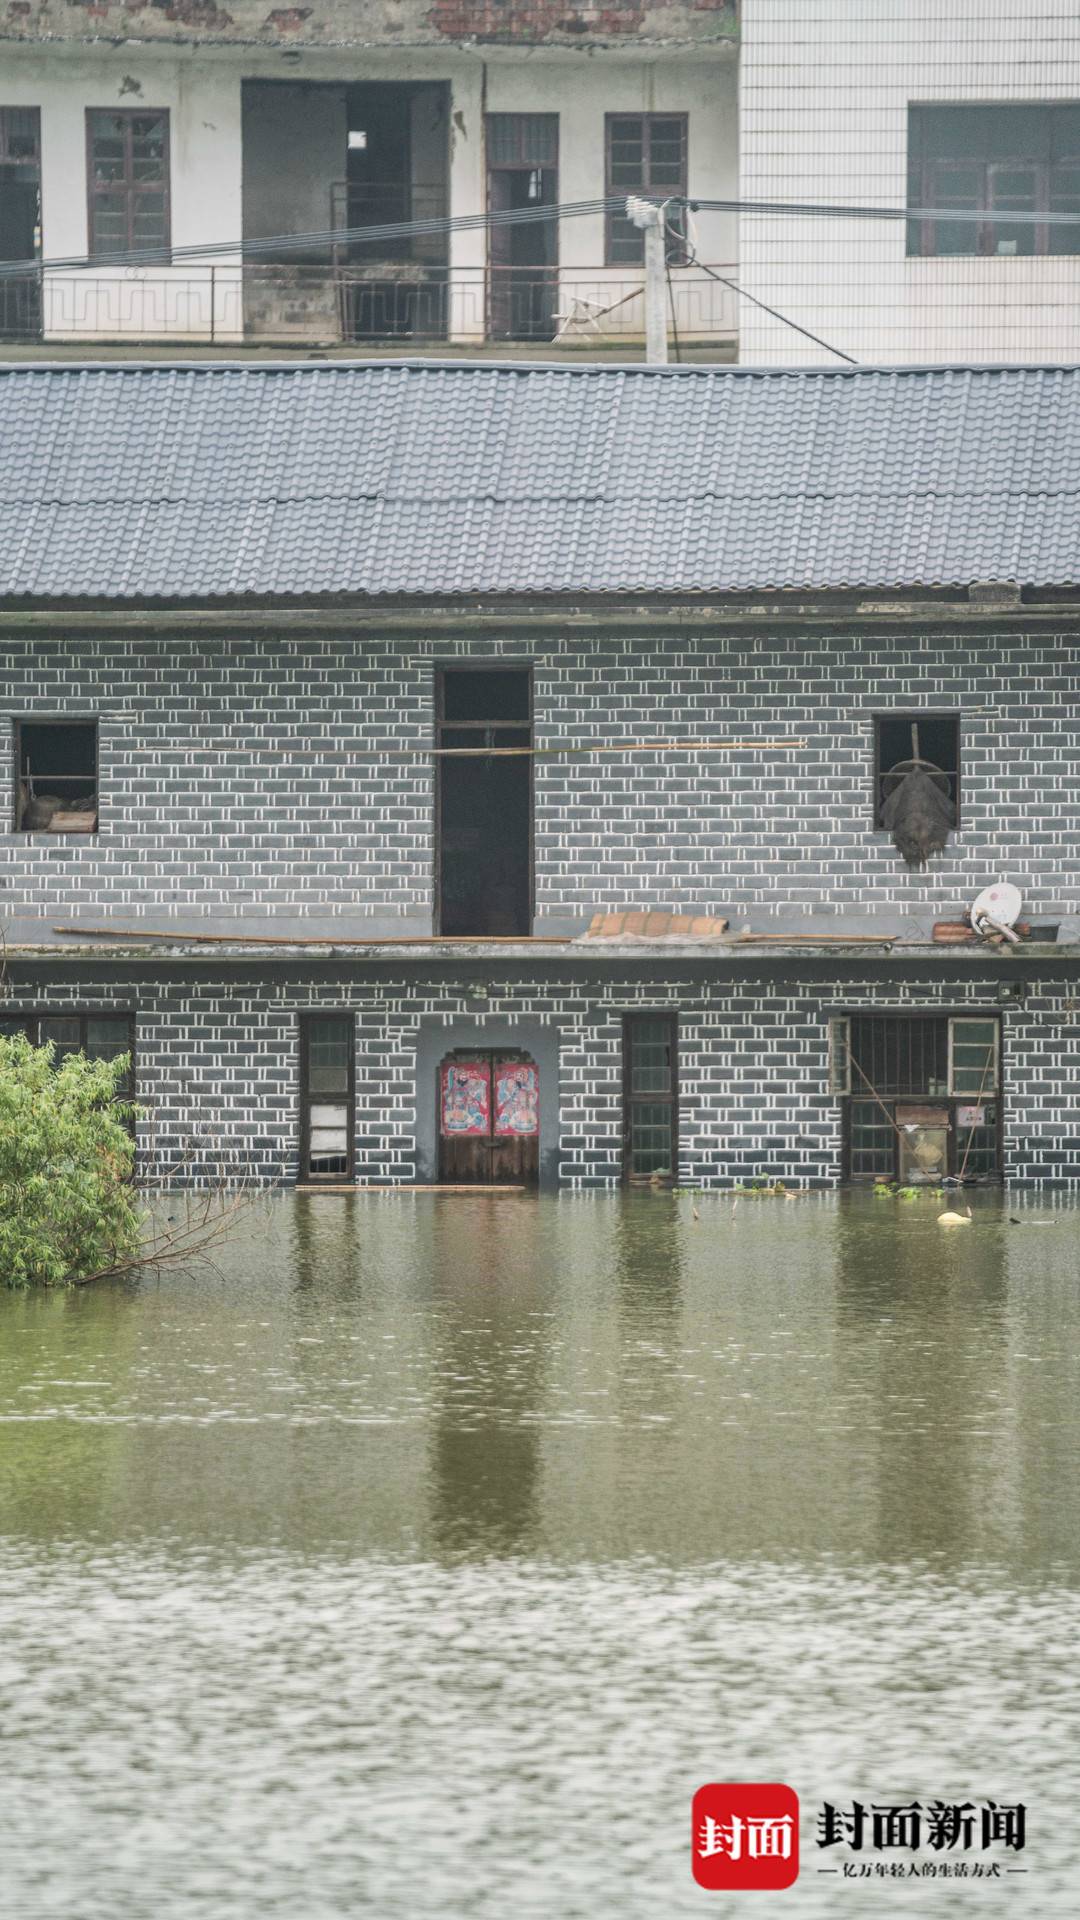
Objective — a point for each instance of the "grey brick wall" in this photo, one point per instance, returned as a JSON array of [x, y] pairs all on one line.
[[233, 779], [217, 1063]]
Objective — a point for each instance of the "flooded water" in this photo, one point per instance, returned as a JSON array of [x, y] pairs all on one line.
[[425, 1557]]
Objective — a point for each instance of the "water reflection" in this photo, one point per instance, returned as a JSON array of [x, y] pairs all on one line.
[[460, 1503], [489, 1279]]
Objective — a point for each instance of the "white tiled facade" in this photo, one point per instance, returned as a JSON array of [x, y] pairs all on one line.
[[825, 87]]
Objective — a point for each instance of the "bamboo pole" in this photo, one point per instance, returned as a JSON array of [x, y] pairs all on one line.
[[321, 939], [181, 935], [555, 753]]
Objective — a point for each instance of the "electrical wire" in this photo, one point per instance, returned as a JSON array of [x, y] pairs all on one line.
[[775, 313], [724, 281], [514, 216], [324, 237]]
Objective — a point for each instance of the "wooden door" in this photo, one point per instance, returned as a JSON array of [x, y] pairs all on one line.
[[489, 1120]]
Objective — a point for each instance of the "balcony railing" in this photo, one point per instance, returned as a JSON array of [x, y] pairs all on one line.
[[359, 303]]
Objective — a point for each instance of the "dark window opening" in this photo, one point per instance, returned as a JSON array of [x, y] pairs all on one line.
[[128, 180], [56, 785], [921, 1096], [650, 1098], [327, 1096], [902, 739], [989, 161], [484, 802], [646, 155], [20, 220]]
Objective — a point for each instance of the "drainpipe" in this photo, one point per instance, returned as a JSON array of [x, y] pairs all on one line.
[[651, 219]]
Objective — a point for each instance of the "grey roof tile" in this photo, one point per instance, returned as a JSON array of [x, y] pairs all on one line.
[[206, 482]]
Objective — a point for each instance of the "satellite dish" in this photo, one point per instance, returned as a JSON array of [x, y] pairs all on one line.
[[1000, 903]]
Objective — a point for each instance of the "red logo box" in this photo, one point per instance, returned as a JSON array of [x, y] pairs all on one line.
[[745, 1837]]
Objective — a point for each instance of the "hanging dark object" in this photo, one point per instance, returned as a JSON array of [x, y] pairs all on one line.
[[917, 807]]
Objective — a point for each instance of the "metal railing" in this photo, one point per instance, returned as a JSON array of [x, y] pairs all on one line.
[[357, 302]]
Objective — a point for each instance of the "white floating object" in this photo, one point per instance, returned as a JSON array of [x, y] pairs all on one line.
[[1000, 903]]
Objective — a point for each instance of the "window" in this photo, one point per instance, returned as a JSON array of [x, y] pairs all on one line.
[[650, 1097], [901, 738], [128, 177], [921, 1095], [646, 154], [992, 161], [973, 1057], [101, 1036], [327, 1096], [56, 778]]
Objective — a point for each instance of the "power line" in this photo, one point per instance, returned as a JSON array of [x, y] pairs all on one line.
[[323, 237], [829, 210], [569, 210], [774, 312], [742, 294]]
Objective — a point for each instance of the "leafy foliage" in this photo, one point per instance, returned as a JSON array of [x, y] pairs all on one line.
[[67, 1208]]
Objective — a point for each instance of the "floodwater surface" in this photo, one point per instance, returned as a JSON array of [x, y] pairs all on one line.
[[426, 1555]]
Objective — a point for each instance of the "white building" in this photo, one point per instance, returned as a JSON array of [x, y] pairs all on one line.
[[182, 126], [955, 104], [192, 127]]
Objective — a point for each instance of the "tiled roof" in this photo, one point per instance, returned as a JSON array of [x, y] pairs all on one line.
[[205, 482]]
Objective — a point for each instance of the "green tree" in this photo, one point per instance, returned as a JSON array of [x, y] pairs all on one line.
[[68, 1210]]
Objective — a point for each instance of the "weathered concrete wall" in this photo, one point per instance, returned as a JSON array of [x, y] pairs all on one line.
[[203, 102], [217, 1059], [293, 150], [274, 176], [240, 774], [375, 23]]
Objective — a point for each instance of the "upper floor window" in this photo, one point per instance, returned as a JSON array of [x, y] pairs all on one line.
[[990, 161], [904, 741], [128, 175], [646, 154], [56, 787]]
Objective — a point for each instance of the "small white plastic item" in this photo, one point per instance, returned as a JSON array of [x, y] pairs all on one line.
[[997, 908]]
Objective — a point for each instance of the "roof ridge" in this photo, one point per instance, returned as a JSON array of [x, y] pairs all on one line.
[[718, 370]]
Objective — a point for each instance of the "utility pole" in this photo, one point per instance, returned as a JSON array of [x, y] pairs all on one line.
[[651, 219]]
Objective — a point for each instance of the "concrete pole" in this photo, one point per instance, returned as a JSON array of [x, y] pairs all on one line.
[[651, 219]]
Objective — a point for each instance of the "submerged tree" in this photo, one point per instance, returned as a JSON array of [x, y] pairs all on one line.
[[68, 1210]]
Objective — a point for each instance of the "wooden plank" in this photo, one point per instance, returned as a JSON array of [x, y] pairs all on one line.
[[302, 1187], [180, 936], [824, 939]]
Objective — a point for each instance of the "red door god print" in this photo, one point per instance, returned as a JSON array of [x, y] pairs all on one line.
[[489, 1120]]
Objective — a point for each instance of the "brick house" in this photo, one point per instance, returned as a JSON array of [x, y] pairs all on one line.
[[340, 700]]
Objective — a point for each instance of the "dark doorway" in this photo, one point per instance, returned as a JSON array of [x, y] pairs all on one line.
[[489, 1119], [20, 220], [523, 173], [396, 170], [484, 801]]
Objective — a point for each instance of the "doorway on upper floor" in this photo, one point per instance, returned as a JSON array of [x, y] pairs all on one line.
[[20, 221], [326, 160], [483, 801], [522, 177]]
